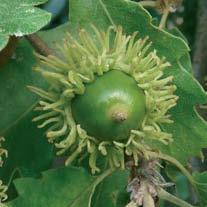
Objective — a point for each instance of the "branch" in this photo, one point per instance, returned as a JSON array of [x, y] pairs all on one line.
[[39, 45], [200, 55]]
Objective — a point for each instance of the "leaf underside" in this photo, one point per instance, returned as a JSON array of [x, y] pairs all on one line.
[[20, 17]]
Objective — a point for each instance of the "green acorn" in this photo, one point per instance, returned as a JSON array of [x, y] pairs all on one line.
[[107, 96], [110, 107]]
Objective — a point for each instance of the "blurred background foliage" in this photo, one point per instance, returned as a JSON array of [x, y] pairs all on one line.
[[185, 18], [59, 10]]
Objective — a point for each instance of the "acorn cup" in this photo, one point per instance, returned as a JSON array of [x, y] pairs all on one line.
[[108, 97]]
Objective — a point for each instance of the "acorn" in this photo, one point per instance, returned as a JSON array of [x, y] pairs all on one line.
[[110, 107], [108, 96]]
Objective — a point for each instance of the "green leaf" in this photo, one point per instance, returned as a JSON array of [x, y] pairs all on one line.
[[185, 60], [27, 148], [189, 130], [64, 187], [27, 145], [201, 179], [131, 17], [112, 191], [16, 100], [181, 183], [29, 152], [20, 17]]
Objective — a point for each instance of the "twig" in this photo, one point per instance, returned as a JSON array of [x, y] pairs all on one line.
[[163, 21], [133, 172], [148, 3], [39, 45]]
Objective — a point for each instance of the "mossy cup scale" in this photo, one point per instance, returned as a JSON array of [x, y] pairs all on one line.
[[110, 107]]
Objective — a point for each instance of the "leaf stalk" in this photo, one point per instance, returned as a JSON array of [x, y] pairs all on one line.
[[173, 199]]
